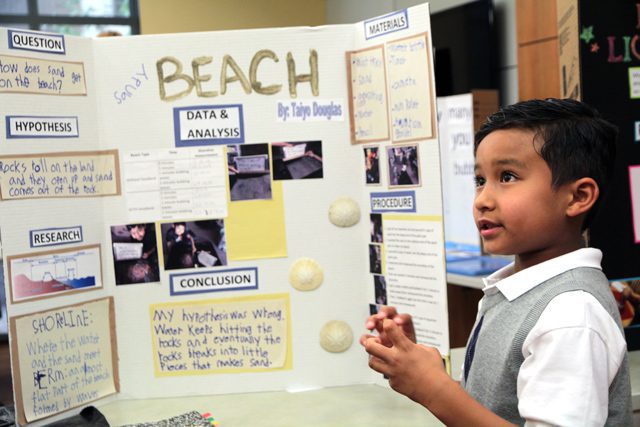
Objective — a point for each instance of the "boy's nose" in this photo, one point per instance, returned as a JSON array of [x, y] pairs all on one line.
[[484, 200]]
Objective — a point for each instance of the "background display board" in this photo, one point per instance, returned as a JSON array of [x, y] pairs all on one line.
[[600, 64], [184, 213]]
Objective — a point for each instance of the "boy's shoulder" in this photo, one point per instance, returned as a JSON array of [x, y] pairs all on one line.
[[580, 299]]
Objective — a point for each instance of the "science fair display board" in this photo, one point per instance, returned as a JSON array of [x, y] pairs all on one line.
[[216, 212]]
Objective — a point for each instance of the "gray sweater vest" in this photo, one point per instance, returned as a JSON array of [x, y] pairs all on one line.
[[498, 356]]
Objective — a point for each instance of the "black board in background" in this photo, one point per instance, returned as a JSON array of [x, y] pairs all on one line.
[[465, 46], [605, 64], [605, 85]]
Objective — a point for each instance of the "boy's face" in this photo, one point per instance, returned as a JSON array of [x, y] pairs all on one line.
[[516, 209]]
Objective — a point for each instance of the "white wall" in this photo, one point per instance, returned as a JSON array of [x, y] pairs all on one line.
[[348, 11]]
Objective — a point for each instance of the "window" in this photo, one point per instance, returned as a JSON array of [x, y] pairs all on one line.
[[85, 18]]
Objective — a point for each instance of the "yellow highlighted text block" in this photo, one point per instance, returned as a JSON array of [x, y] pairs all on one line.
[[231, 335], [256, 229]]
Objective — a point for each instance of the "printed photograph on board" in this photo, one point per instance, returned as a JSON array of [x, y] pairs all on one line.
[[194, 244], [297, 160], [135, 253], [375, 259], [404, 170], [376, 227], [249, 173], [372, 165], [380, 289]]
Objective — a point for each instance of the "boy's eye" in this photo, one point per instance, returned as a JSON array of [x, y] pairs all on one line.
[[507, 177], [479, 181]]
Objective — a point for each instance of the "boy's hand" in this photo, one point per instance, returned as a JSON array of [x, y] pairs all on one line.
[[414, 370], [386, 312]]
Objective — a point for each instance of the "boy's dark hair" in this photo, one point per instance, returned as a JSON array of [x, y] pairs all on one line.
[[578, 142]]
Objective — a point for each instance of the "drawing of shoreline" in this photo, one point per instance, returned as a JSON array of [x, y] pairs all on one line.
[[34, 275]]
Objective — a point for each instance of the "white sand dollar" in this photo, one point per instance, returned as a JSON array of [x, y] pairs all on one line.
[[344, 212], [336, 336], [305, 274]]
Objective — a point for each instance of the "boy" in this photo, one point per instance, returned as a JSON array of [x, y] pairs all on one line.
[[547, 347]]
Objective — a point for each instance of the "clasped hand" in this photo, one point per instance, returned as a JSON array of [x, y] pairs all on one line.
[[414, 370]]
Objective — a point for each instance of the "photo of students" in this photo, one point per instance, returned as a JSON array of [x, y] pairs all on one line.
[[135, 253], [194, 244], [403, 166], [297, 160], [375, 259], [380, 289], [376, 228], [249, 174], [372, 165]]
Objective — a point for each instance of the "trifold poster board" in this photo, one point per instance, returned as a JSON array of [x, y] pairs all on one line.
[[185, 213]]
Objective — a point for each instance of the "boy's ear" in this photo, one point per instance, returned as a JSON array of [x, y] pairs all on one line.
[[584, 194]]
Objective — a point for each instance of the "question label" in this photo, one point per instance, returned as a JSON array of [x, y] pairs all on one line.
[[36, 41], [29, 75], [65, 358], [74, 174]]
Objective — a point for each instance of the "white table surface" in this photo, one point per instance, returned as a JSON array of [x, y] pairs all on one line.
[[357, 405]]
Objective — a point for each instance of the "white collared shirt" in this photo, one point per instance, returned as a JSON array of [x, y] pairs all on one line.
[[572, 353]]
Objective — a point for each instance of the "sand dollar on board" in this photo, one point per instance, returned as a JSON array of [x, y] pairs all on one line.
[[305, 274], [344, 212], [336, 336]]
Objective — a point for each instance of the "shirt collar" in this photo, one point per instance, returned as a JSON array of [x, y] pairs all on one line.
[[512, 285]]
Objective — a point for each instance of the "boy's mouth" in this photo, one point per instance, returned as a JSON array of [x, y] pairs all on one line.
[[486, 227]]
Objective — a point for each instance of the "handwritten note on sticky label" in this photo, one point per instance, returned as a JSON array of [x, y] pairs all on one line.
[[76, 174], [410, 92], [368, 95], [247, 334], [28, 75], [65, 358]]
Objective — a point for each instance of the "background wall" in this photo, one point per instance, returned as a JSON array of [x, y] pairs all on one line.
[[170, 16], [349, 11]]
